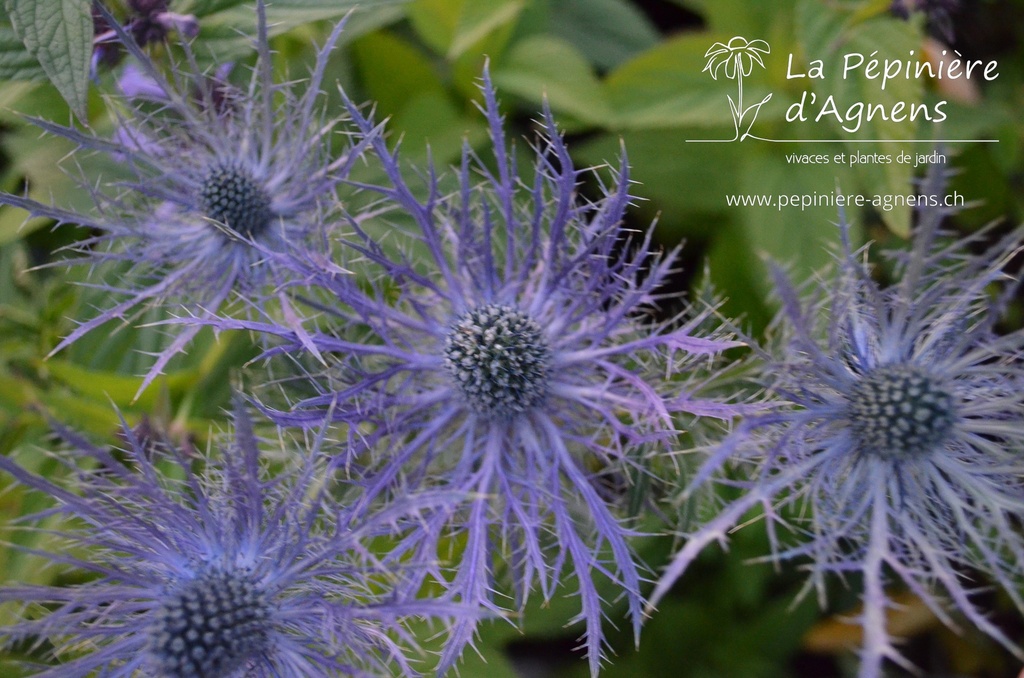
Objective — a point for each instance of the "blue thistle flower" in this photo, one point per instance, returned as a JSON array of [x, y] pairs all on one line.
[[509, 355], [210, 177], [895, 421], [208, 566]]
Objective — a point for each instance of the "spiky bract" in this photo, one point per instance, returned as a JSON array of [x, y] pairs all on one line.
[[214, 177], [215, 566], [894, 432], [512, 354]]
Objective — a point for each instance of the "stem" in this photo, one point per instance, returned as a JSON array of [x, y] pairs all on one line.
[[873, 621]]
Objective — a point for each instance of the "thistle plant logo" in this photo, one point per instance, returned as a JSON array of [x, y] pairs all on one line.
[[736, 59]]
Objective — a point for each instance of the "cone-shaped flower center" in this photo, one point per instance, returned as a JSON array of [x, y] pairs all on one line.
[[499, 358], [900, 411], [231, 196], [210, 626]]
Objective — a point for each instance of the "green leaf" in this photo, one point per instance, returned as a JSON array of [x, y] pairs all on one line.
[[749, 18], [542, 66], [203, 8], [37, 160], [393, 71], [434, 21], [227, 33], [477, 19], [737, 272], [606, 32], [665, 87], [431, 120], [453, 27], [106, 387], [281, 14], [795, 236], [828, 32], [59, 34], [679, 178], [16, 63]]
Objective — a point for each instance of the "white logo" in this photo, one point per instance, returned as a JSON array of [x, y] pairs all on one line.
[[736, 60]]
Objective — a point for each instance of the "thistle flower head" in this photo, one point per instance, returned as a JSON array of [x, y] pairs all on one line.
[[900, 412], [213, 183], [211, 624], [205, 565], [895, 420], [510, 354], [498, 357]]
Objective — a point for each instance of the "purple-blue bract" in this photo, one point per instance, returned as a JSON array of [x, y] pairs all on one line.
[[512, 353], [893, 430], [213, 565], [213, 177]]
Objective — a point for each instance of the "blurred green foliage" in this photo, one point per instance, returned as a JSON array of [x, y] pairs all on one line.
[[614, 72]]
